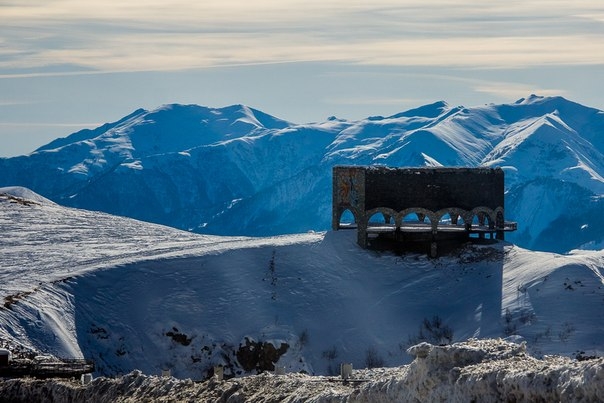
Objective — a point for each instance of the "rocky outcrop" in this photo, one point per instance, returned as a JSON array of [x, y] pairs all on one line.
[[259, 356], [477, 370]]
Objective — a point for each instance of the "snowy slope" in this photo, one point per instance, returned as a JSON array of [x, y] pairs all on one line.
[[238, 171], [133, 295]]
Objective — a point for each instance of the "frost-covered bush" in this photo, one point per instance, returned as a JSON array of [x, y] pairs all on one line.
[[433, 331], [373, 358]]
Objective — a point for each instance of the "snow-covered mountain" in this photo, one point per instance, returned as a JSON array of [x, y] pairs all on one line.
[[238, 171], [134, 295]]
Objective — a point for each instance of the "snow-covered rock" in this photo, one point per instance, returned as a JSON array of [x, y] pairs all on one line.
[[477, 370], [21, 195]]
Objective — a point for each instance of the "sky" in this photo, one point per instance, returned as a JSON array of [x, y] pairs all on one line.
[[66, 65]]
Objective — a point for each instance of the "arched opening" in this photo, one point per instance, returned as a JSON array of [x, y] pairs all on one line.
[[452, 219], [416, 230], [451, 222], [380, 216], [447, 219], [377, 219], [416, 222], [459, 221], [381, 228], [383, 218], [451, 230], [481, 220], [482, 224], [416, 218], [347, 219]]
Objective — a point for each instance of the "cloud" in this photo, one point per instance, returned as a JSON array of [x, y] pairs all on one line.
[[158, 35], [515, 90], [70, 125], [396, 101], [14, 103], [495, 52]]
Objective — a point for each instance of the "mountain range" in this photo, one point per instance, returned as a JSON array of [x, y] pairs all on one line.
[[239, 171]]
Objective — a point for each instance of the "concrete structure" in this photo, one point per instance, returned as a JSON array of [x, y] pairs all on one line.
[[419, 207], [346, 371]]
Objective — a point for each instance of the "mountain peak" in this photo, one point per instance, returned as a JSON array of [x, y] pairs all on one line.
[[88, 134], [169, 128], [429, 111], [531, 99]]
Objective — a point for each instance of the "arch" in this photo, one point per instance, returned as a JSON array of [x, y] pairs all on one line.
[[387, 214], [422, 214], [446, 219], [348, 217], [480, 218], [483, 214], [454, 214]]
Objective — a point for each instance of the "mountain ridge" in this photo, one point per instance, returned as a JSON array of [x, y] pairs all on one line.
[[236, 170]]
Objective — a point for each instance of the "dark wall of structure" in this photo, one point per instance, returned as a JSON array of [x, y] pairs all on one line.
[[474, 195], [433, 188]]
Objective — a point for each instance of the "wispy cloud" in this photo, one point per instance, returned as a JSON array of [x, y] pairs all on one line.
[[13, 103], [70, 125], [515, 90], [157, 35]]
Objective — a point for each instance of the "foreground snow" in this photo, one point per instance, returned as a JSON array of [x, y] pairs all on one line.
[[477, 370]]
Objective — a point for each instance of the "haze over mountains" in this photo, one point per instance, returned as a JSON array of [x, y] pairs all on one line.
[[239, 171]]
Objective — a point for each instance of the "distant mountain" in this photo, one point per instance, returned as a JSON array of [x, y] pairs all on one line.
[[239, 171]]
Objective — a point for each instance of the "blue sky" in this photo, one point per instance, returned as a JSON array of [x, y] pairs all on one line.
[[72, 64]]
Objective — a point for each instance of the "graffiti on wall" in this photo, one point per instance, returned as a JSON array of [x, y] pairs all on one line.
[[348, 186]]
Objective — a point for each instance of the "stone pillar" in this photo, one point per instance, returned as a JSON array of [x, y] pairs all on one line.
[[500, 224], [335, 202], [362, 233]]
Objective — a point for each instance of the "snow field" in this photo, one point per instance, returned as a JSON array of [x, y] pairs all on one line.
[[132, 295]]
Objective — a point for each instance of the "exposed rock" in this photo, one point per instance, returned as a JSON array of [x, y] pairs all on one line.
[[260, 356], [178, 337]]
